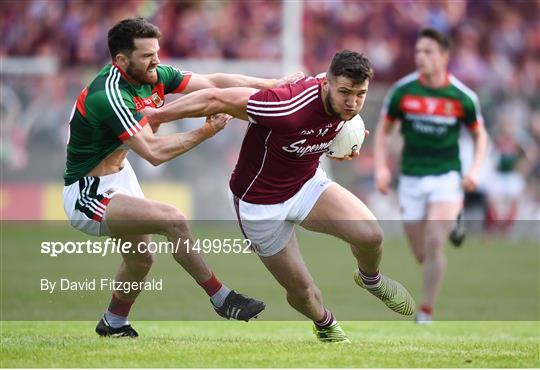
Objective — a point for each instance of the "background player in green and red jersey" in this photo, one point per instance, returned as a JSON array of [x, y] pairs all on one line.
[[431, 106], [102, 195]]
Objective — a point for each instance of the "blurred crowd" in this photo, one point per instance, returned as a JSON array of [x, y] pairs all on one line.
[[496, 52], [75, 30]]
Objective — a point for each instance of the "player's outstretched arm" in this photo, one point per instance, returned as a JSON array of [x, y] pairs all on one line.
[[225, 80], [206, 102], [160, 149]]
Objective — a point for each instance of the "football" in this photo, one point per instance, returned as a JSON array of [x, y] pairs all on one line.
[[349, 139]]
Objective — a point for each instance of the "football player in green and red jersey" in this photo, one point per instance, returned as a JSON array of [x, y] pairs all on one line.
[[431, 105], [102, 195]]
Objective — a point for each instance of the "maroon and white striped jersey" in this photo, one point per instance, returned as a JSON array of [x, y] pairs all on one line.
[[288, 132]]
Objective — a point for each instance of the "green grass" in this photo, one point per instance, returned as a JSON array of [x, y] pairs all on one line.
[[488, 309], [272, 344], [487, 279]]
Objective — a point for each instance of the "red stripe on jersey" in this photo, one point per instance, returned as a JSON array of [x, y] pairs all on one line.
[[389, 118], [474, 127], [122, 72], [97, 217], [182, 85], [431, 106], [126, 135], [80, 102]]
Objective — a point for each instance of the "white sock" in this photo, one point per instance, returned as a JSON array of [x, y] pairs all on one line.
[[115, 321], [219, 298]]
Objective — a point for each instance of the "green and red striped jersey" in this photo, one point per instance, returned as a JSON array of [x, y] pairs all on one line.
[[107, 113], [430, 122]]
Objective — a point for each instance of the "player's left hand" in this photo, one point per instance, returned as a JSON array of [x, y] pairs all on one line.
[[469, 182], [215, 123], [349, 157], [292, 78], [354, 154]]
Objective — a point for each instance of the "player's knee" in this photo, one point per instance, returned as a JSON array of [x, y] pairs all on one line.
[[370, 236], [435, 243], [175, 222]]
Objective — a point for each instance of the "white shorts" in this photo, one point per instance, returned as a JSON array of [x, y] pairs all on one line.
[[270, 226], [85, 201], [505, 185], [416, 192]]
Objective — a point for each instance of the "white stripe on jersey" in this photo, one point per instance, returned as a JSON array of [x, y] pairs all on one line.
[[282, 113], [284, 101], [299, 101], [471, 94], [112, 101], [260, 169], [128, 112]]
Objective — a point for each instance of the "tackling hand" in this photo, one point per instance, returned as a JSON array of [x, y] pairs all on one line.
[[148, 112], [292, 78], [215, 123]]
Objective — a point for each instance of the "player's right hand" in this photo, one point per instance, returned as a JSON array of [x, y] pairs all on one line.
[[148, 112], [383, 178], [216, 123], [292, 78]]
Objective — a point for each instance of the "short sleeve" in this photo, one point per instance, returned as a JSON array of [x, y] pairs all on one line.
[[174, 80], [390, 109], [116, 109], [279, 106], [258, 105], [472, 115]]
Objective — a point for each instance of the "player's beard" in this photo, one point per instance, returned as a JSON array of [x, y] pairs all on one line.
[[329, 103], [139, 76]]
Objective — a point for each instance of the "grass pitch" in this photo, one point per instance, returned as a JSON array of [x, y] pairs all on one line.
[[488, 283], [272, 344]]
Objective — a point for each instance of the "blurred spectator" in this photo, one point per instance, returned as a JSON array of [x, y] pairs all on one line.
[[497, 52], [514, 158], [74, 29]]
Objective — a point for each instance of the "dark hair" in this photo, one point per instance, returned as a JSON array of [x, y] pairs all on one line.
[[121, 35], [352, 65], [440, 38]]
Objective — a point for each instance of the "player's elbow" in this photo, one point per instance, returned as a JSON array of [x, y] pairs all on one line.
[[155, 161], [154, 157]]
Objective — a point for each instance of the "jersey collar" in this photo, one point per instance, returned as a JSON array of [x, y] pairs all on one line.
[[446, 82]]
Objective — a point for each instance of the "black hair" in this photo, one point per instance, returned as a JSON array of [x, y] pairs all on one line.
[[440, 38], [352, 65], [121, 35]]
